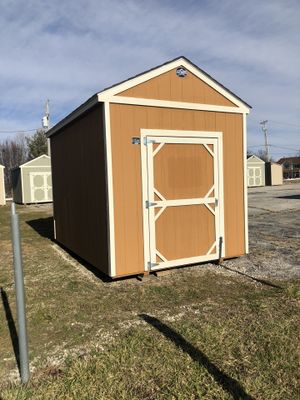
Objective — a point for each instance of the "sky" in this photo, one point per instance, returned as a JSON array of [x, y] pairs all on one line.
[[68, 50]]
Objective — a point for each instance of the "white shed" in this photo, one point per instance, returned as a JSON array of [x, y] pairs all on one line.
[[2, 186], [255, 171], [32, 181], [274, 174]]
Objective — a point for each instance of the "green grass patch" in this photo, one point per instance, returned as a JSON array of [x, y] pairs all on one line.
[[198, 333]]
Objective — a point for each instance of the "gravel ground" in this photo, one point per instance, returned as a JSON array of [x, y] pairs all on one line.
[[274, 234]]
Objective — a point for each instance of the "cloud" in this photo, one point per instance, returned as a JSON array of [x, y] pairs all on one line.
[[66, 51]]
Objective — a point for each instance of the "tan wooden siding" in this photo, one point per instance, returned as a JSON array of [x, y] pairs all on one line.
[[79, 188], [169, 86], [126, 122]]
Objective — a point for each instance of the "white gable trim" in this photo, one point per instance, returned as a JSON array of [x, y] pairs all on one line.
[[102, 96], [256, 159], [34, 159], [173, 104], [111, 95]]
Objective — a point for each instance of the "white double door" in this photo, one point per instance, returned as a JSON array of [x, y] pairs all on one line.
[[255, 176], [40, 187]]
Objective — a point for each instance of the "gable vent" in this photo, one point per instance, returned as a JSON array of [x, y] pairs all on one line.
[[181, 72]]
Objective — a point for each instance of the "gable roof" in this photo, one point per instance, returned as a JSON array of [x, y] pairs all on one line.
[[103, 94], [292, 160], [34, 159], [181, 59], [255, 159]]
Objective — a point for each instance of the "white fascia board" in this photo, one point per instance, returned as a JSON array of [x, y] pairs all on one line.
[[102, 96], [108, 95], [34, 159], [256, 159]]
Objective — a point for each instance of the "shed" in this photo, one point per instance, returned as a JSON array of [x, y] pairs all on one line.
[[151, 173], [32, 181], [2, 186], [256, 171], [274, 174]]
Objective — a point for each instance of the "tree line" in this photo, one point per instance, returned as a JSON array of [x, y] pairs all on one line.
[[20, 149]]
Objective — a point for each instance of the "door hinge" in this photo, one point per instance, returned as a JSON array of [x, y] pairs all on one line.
[[147, 141], [216, 202], [151, 265], [150, 204]]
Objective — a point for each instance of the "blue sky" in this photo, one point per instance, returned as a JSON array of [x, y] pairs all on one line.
[[68, 50]]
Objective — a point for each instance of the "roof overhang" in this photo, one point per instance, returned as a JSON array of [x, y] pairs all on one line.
[[30, 161], [109, 93]]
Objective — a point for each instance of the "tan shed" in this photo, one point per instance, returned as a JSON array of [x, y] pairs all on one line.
[[274, 174], [2, 186], [32, 181], [151, 173]]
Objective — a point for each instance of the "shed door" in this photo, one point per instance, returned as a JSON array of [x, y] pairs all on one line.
[[183, 198], [254, 176], [40, 187]]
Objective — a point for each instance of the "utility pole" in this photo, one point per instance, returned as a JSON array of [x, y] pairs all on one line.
[[46, 123], [265, 131]]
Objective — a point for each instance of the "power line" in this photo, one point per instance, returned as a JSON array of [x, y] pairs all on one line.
[[19, 130], [284, 123], [297, 146], [286, 148], [281, 123]]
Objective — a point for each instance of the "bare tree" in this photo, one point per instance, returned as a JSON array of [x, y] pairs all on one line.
[[13, 152], [263, 155]]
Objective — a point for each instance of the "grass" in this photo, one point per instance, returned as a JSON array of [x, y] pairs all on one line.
[[199, 333]]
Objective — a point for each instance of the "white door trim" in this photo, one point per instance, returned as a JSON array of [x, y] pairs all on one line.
[[176, 136]]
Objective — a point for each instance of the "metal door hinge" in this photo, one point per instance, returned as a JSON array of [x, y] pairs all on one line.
[[151, 265], [147, 141], [150, 204], [216, 202]]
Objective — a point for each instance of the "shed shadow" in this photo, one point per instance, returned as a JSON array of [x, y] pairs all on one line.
[[96, 272], [11, 326], [230, 385], [43, 226], [291, 197], [262, 281]]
